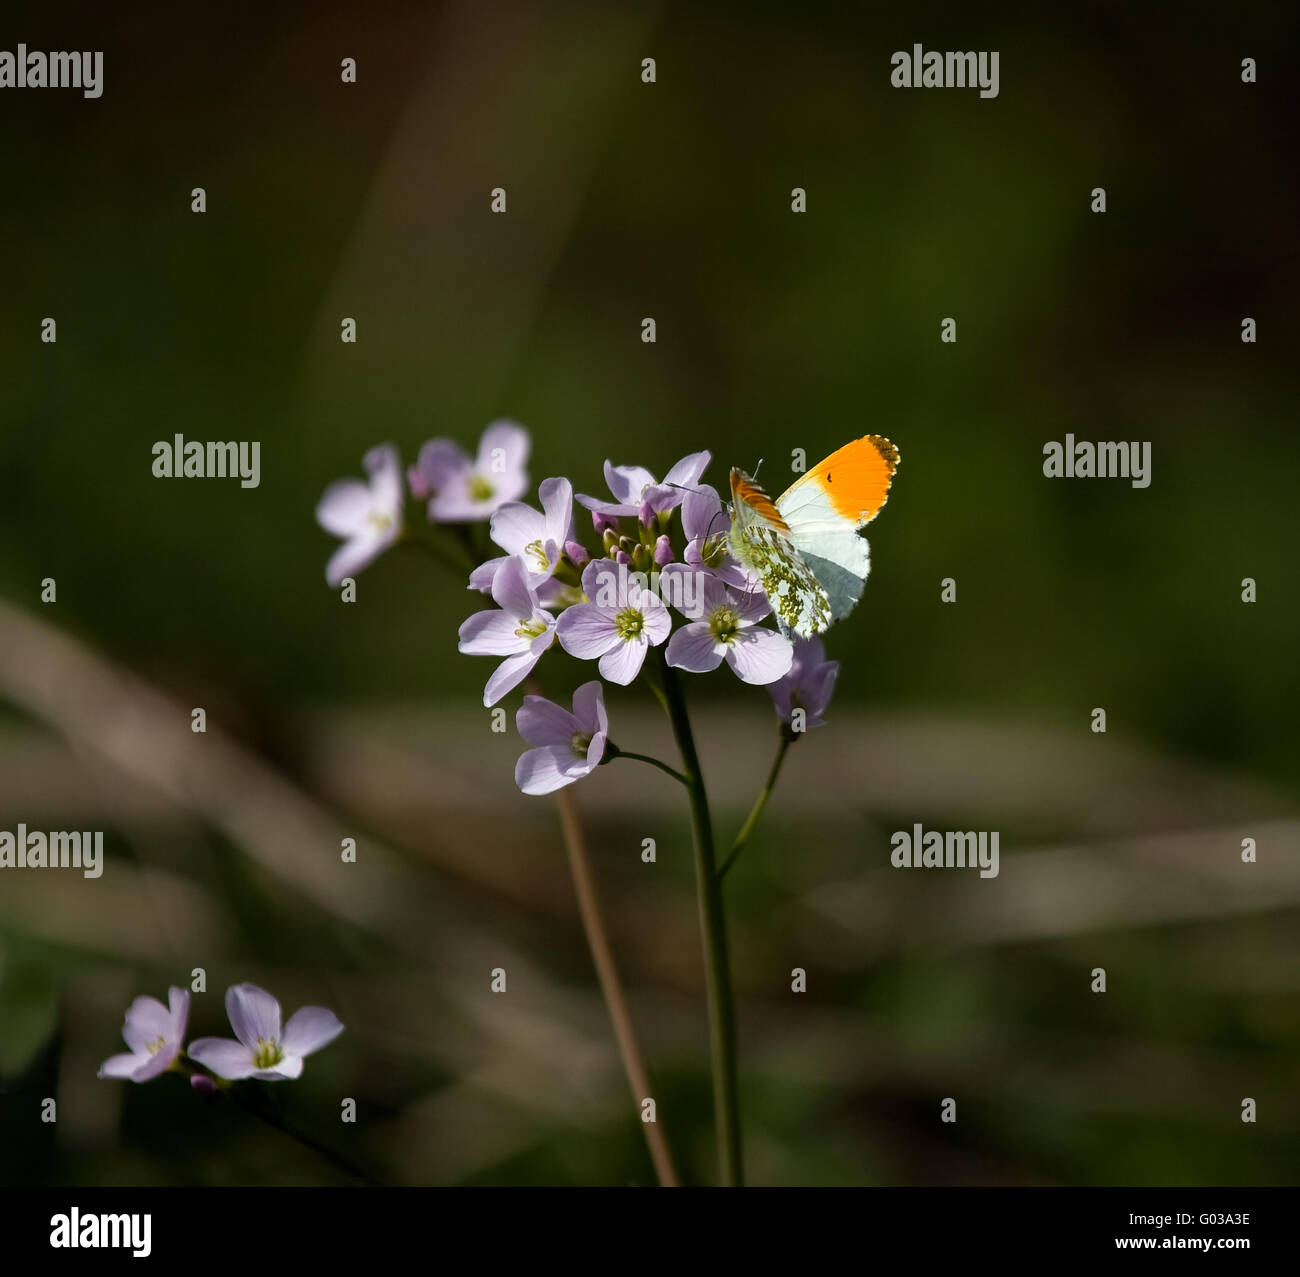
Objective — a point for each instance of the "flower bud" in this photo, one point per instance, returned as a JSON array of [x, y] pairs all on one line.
[[420, 487], [577, 553], [663, 551]]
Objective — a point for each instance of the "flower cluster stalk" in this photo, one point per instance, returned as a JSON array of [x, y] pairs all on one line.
[[713, 934]]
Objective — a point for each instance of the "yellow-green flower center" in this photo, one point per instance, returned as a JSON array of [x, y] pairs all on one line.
[[714, 550], [580, 743], [380, 522], [155, 1046], [724, 623], [530, 629], [629, 624], [480, 489], [537, 551], [268, 1054]]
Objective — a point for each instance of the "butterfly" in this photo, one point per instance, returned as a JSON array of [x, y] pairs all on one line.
[[804, 548]]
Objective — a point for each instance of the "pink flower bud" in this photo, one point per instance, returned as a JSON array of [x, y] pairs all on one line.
[[663, 551], [419, 486], [577, 553]]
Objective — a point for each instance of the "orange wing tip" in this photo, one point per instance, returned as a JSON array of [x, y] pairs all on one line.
[[856, 478]]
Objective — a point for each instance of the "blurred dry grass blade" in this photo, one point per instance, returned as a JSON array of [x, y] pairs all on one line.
[[147, 737]]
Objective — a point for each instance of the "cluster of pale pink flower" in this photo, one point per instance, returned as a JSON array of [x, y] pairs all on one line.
[[261, 1048], [611, 604]]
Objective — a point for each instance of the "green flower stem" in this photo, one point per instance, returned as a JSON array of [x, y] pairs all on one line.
[[713, 933], [434, 548], [273, 1118], [612, 751], [241, 1095], [751, 821]]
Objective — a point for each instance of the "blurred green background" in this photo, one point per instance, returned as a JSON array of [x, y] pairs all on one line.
[[775, 331]]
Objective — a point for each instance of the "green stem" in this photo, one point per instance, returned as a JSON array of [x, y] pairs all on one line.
[[427, 545], [713, 934], [751, 821], [263, 1110], [613, 751], [272, 1118]]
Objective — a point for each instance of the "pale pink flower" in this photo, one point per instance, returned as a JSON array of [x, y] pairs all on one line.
[[155, 1034], [263, 1049], [461, 489], [566, 746], [519, 629], [620, 623], [723, 627], [367, 515], [637, 492]]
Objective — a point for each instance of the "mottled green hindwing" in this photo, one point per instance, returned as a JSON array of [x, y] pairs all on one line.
[[799, 602]]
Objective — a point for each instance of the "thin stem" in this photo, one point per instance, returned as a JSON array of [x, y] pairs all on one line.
[[751, 821], [426, 545], [272, 1118], [713, 935], [268, 1114], [654, 762], [602, 955]]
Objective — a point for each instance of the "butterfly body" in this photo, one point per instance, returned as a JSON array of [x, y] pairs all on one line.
[[804, 548]]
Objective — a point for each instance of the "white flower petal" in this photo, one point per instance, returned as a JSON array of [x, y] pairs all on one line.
[[147, 1020], [254, 1014], [589, 708], [384, 467], [122, 1066], [289, 1067], [309, 1029], [223, 1056], [760, 656], [508, 675], [344, 508], [623, 662], [516, 526], [542, 722], [491, 634], [551, 767], [693, 648], [586, 632]]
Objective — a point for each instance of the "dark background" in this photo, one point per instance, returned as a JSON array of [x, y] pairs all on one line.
[[775, 331]]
